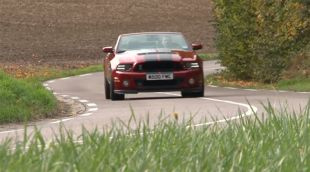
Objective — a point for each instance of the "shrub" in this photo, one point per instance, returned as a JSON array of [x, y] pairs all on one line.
[[257, 39]]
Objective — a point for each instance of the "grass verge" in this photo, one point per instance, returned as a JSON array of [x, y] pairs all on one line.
[[208, 56], [26, 99], [21, 100], [297, 84], [52, 73], [279, 143]]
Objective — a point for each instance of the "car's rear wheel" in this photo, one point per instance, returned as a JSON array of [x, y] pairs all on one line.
[[115, 96], [107, 89], [199, 93]]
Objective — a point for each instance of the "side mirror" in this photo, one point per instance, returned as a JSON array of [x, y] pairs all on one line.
[[108, 49], [197, 46]]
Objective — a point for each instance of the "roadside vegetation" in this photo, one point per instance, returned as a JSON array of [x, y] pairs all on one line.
[[21, 100], [294, 84], [259, 40], [26, 99], [278, 143], [263, 43], [209, 56]]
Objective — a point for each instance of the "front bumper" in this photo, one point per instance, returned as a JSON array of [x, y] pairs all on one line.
[[134, 82]]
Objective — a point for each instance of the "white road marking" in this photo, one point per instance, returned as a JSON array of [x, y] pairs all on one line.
[[62, 120], [65, 78], [232, 88], [86, 114], [92, 109], [280, 91], [250, 89], [11, 131], [251, 110], [48, 88], [214, 68], [304, 92], [91, 104], [86, 75]]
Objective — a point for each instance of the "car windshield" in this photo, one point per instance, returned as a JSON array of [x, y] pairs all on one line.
[[167, 41]]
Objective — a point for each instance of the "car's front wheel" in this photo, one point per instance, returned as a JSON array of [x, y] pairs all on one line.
[[113, 95], [107, 89]]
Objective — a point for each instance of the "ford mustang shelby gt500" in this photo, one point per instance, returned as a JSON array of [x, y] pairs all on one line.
[[152, 61]]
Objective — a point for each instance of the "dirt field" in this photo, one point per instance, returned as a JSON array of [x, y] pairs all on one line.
[[57, 32]]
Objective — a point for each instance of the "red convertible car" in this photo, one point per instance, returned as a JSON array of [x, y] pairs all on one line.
[[152, 61]]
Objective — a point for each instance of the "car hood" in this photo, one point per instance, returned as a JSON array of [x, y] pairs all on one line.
[[141, 56]]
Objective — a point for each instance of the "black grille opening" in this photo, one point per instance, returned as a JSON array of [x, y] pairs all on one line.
[[162, 66], [158, 83]]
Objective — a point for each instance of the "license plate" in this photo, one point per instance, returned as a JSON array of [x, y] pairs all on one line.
[[159, 76]]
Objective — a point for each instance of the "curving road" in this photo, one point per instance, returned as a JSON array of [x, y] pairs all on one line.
[[217, 105]]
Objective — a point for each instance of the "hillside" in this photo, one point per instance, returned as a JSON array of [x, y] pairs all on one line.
[[61, 32]]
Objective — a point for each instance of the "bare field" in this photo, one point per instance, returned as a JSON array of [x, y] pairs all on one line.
[[57, 32]]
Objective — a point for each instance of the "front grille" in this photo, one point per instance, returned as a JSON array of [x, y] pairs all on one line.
[[158, 66], [145, 84]]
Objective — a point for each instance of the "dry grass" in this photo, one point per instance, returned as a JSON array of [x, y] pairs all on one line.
[[65, 32]]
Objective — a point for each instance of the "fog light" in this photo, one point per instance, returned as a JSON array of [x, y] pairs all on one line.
[[126, 83], [116, 80], [191, 81]]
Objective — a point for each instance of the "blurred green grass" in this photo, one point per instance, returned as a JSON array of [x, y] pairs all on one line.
[[280, 142]]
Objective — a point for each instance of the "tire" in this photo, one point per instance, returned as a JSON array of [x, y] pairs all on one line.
[[107, 89], [115, 96], [200, 93]]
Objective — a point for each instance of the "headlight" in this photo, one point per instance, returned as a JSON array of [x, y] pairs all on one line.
[[124, 67], [191, 65]]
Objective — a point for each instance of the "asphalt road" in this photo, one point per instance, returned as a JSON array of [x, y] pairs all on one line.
[[218, 105]]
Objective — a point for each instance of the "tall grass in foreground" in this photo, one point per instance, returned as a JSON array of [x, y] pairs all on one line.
[[279, 143]]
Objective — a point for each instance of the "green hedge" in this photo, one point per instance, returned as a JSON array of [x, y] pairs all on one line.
[[257, 38]]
